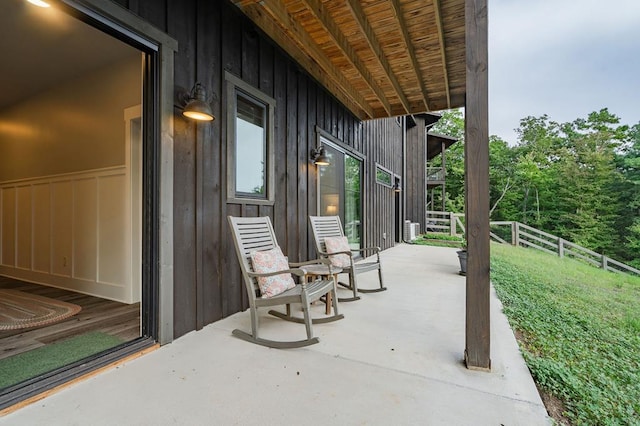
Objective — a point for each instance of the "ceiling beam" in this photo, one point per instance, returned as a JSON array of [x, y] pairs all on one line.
[[330, 26], [274, 20], [436, 7], [412, 51], [372, 40]]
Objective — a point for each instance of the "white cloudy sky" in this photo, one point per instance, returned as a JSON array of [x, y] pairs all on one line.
[[563, 58]]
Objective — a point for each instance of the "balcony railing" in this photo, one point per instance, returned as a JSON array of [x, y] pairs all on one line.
[[435, 173]]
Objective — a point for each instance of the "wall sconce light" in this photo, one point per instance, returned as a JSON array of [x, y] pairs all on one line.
[[319, 157], [396, 186], [39, 3], [197, 107]]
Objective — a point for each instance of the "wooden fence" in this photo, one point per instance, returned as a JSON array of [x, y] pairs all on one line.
[[521, 235], [445, 222]]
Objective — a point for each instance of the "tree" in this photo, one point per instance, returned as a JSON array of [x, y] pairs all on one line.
[[628, 219], [452, 124]]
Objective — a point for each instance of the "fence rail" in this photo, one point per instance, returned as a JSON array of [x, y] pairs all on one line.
[[521, 235], [445, 222], [435, 173]]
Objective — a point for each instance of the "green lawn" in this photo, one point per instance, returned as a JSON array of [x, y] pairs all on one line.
[[580, 331], [438, 239]]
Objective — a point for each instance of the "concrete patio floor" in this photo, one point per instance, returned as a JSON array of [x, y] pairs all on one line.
[[395, 359]]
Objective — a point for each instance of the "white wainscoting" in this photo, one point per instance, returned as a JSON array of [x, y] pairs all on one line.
[[71, 231]]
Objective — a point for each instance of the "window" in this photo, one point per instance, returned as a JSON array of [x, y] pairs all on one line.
[[250, 148], [340, 190], [383, 176]]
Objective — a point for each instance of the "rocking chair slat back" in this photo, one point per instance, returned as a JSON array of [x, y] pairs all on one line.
[[254, 234], [323, 227]]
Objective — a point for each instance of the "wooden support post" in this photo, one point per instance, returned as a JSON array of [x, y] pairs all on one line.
[[478, 339], [444, 175], [517, 234], [560, 248], [514, 233], [605, 263], [452, 224]]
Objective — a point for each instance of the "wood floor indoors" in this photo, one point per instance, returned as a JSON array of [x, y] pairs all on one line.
[[115, 318]]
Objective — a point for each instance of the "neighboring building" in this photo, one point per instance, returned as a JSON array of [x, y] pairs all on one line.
[[108, 190], [423, 176]]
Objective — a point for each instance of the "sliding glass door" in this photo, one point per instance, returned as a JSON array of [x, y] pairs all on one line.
[[341, 191]]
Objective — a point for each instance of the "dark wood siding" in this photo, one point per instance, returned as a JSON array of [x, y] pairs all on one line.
[[414, 185], [382, 144], [215, 37]]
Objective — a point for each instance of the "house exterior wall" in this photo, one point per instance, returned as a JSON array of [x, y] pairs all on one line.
[[214, 37], [382, 142], [415, 188]]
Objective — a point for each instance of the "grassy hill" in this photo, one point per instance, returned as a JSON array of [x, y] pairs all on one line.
[[579, 330]]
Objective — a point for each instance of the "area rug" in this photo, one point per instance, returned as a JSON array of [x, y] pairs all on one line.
[[25, 310]]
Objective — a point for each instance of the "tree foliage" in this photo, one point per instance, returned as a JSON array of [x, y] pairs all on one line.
[[579, 180]]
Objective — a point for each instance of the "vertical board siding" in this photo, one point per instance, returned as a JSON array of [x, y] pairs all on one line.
[[182, 27], [414, 185], [214, 37], [209, 157]]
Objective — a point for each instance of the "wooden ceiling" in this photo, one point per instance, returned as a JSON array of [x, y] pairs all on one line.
[[381, 58]]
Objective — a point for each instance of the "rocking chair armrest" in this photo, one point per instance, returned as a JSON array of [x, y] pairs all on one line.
[[310, 262], [348, 253], [295, 271], [374, 249]]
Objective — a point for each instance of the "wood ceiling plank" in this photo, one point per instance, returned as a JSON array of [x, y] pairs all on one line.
[[274, 19], [342, 43], [436, 6], [265, 20], [358, 13], [411, 50]]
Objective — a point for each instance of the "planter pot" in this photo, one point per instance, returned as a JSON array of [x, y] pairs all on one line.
[[462, 257]]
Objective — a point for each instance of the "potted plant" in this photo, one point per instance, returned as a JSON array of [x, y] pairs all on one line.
[[462, 255]]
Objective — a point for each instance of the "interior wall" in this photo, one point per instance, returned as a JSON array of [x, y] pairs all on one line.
[[65, 213], [72, 127]]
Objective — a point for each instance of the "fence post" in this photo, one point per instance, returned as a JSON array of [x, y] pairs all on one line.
[[605, 264], [516, 234], [452, 224], [560, 247]]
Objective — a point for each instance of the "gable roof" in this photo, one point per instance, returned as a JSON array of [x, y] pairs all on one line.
[[380, 58]]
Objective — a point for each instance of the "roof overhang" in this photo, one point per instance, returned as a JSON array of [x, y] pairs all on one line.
[[437, 143], [380, 58]]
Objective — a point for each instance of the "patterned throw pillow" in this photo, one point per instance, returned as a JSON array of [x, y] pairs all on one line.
[[271, 261], [336, 245]]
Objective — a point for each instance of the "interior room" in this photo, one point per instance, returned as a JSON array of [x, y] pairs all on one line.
[[70, 190]]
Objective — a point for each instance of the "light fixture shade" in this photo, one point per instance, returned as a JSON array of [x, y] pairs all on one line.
[[397, 187], [197, 107], [319, 157]]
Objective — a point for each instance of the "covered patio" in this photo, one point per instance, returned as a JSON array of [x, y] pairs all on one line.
[[396, 358]]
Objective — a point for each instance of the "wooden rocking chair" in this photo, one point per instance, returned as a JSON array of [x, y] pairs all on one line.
[[331, 226], [256, 234]]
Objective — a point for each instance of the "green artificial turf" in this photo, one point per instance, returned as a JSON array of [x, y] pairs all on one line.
[[26, 365]]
